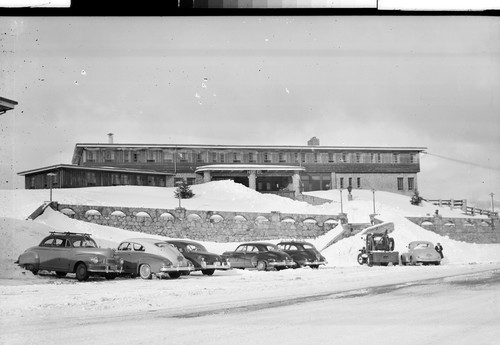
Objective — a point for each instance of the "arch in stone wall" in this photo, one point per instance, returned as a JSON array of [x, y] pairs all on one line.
[[216, 218], [485, 223], [167, 216], [468, 223], [449, 223], [68, 212], [92, 213], [261, 219], [142, 214], [426, 223], [331, 221], [118, 213], [288, 220], [310, 221], [193, 216], [239, 219]]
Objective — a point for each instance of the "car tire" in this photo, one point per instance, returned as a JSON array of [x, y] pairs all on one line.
[[261, 265], [403, 262], [82, 274], [369, 260], [361, 260], [31, 268], [145, 271], [110, 276], [315, 267], [174, 275], [208, 272], [61, 274]]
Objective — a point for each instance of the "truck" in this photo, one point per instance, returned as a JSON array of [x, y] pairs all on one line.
[[378, 250]]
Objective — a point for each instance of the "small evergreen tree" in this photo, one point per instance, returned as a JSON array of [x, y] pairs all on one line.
[[184, 191], [416, 199]]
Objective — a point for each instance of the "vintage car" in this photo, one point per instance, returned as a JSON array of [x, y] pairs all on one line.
[[201, 259], [148, 256], [303, 253], [262, 256], [71, 252], [421, 252]]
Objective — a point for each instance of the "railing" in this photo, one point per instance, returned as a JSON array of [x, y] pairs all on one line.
[[283, 193], [462, 204]]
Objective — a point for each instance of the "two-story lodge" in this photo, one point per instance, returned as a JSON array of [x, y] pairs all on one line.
[[265, 168]]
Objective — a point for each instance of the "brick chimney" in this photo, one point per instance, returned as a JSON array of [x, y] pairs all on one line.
[[313, 142], [110, 138]]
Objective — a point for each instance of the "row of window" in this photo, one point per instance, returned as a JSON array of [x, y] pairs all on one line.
[[247, 157]]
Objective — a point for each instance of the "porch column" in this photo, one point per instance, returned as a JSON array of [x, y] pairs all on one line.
[[252, 180], [296, 182], [207, 177]]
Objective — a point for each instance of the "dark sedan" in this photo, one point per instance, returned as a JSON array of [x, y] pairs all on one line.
[[303, 253], [202, 260], [262, 256]]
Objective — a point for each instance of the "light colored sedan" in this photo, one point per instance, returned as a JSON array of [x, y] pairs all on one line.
[[148, 256], [421, 252]]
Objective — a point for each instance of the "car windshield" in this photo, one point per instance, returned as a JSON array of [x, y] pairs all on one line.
[[85, 242], [195, 247], [420, 245], [310, 247], [269, 247]]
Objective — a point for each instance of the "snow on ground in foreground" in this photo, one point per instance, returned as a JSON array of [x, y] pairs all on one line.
[[16, 205]]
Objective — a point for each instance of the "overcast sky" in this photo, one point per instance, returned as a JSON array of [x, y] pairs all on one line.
[[348, 80]]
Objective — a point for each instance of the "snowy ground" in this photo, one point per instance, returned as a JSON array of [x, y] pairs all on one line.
[[343, 303]]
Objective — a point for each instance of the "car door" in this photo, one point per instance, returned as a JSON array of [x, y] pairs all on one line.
[[249, 256], [48, 255], [125, 251], [236, 258]]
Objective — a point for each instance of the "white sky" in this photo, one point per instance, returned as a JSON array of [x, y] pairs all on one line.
[[381, 81]]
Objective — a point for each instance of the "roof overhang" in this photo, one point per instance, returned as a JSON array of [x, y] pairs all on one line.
[[6, 104], [80, 167], [248, 167]]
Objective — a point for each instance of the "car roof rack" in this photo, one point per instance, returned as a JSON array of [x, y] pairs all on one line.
[[69, 233]]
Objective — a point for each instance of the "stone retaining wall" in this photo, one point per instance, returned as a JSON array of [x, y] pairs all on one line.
[[472, 230], [206, 225]]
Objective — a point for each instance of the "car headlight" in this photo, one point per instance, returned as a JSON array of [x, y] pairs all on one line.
[[94, 260]]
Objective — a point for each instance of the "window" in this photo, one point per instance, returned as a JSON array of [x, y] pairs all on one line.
[[90, 156], [124, 179], [178, 180], [135, 156], [126, 156], [296, 157], [199, 157], [214, 157], [236, 157], [316, 157], [358, 157], [341, 182], [183, 156], [190, 181], [168, 156], [222, 158], [151, 180], [32, 182], [395, 158], [251, 157], [412, 158], [282, 157], [151, 156], [343, 158], [400, 183], [109, 155], [411, 183], [91, 180], [379, 158], [331, 157], [267, 157], [358, 182], [303, 157], [372, 157], [350, 181], [115, 179]]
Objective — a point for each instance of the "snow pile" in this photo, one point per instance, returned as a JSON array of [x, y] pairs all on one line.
[[19, 234]]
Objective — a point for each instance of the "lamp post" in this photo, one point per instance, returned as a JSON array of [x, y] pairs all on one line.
[[51, 177], [341, 205], [492, 204], [373, 191], [179, 192]]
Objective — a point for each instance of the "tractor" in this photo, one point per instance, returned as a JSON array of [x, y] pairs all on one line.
[[378, 250]]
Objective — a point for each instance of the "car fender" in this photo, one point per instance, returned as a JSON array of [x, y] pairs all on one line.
[[29, 257]]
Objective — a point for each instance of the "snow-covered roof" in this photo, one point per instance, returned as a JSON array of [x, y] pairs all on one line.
[[80, 167], [246, 167]]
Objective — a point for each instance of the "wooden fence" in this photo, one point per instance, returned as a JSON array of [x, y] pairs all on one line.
[[462, 204]]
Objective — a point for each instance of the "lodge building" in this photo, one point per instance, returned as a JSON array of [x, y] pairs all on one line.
[[278, 169]]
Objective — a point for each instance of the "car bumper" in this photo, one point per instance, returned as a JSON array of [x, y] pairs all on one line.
[[314, 263], [176, 269], [216, 267], [284, 263], [104, 269]]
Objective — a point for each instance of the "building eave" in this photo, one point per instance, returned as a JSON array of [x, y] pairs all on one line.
[[80, 167]]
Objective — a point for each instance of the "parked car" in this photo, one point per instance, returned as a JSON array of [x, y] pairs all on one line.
[[146, 257], [259, 255], [303, 253], [71, 252], [421, 252], [201, 259]]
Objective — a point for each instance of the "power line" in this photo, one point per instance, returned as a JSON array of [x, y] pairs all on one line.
[[462, 161]]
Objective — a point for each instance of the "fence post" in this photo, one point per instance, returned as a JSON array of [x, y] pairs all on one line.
[[440, 202], [464, 205], [452, 204]]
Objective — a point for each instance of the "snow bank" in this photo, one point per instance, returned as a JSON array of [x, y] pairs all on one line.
[[16, 205]]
